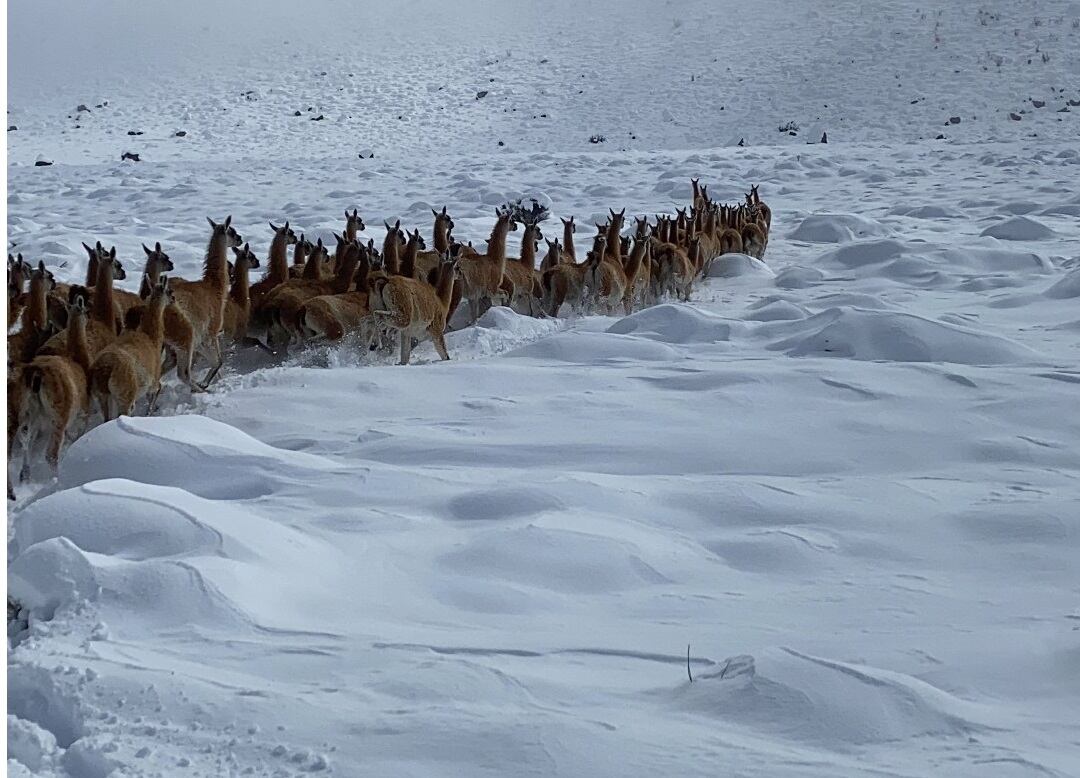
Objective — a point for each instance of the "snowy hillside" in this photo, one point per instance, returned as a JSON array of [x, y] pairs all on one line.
[[847, 477]]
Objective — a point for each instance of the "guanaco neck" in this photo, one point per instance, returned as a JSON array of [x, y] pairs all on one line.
[[313, 265], [104, 310], [36, 313], [152, 324], [496, 249], [350, 230], [392, 254], [92, 270], [445, 289], [614, 244], [363, 269], [408, 264], [300, 253], [528, 246], [568, 241], [239, 292], [440, 235], [77, 345], [637, 256], [343, 278], [216, 264], [278, 263]]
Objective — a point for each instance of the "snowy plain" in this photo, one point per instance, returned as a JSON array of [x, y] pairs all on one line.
[[848, 477]]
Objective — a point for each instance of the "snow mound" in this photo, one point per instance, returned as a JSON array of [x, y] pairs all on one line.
[[861, 334], [799, 277], [584, 348], [118, 517], [207, 457], [1019, 228], [995, 260], [836, 228], [1067, 288], [829, 703], [739, 265], [499, 329], [863, 253], [774, 309], [926, 212], [551, 559], [674, 323]]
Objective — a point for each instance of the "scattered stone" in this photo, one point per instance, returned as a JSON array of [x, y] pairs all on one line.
[[318, 118], [954, 120], [135, 132], [940, 137], [1063, 109], [481, 94], [543, 116], [1038, 103], [1014, 116], [297, 113], [102, 105], [82, 107], [180, 133], [128, 155], [824, 137], [42, 162], [1074, 103], [597, 139], [501, 143], [12, 128], [742, 142]]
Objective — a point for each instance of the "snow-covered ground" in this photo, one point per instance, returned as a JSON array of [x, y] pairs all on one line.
[[849, 478]]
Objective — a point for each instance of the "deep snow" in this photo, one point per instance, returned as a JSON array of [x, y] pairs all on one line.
[[847, 477]]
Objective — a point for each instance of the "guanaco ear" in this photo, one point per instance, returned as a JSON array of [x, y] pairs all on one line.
[[89, 250], [112, 253], [275, 229], [286, 225], [149, 253], [397, 224], [157, 247], [237, 250], [228, 221], [41, 265], [213, 224], [434, 212]]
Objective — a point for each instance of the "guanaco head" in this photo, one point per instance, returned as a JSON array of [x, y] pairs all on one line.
[[505, 218], [624, 244], [418, 239], [285, 231], [705, 193], [41, 276], [157, 261], [109, 260], [226, 230], [442, 219], [245, 257], [353, 220], [18, 272], [754, 195], [162, 295], [77, 306], [641, 226], [569, 225], [320, 250]]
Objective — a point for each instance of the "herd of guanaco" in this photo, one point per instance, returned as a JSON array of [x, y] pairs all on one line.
[[76, 352]]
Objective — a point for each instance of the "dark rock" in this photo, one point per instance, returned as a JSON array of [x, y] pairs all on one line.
[[180, 133], [128, 155], [597, 139], [481, 94], [12, 128], [954, 120], [318, 118], [1063, 109], [501, 143], [297, 113], [1014, 116], [940, 137], [824, 137], [1074, 103], [42, 163], [82, 107], [1039, 103], [135, 132]]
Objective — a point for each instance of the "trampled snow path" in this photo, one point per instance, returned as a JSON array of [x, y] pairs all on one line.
[[848, 478]]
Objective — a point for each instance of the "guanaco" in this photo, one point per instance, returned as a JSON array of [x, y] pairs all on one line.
[[353, 224], [416, 309], [482, 274], [104, 323], [130, 368], [18, 275], [277, 264], [238, 303], [55, 387], [569, 228], [441, 242], [524, 286], [35, 329], [332, 316], [284, 303], [300, 255]]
